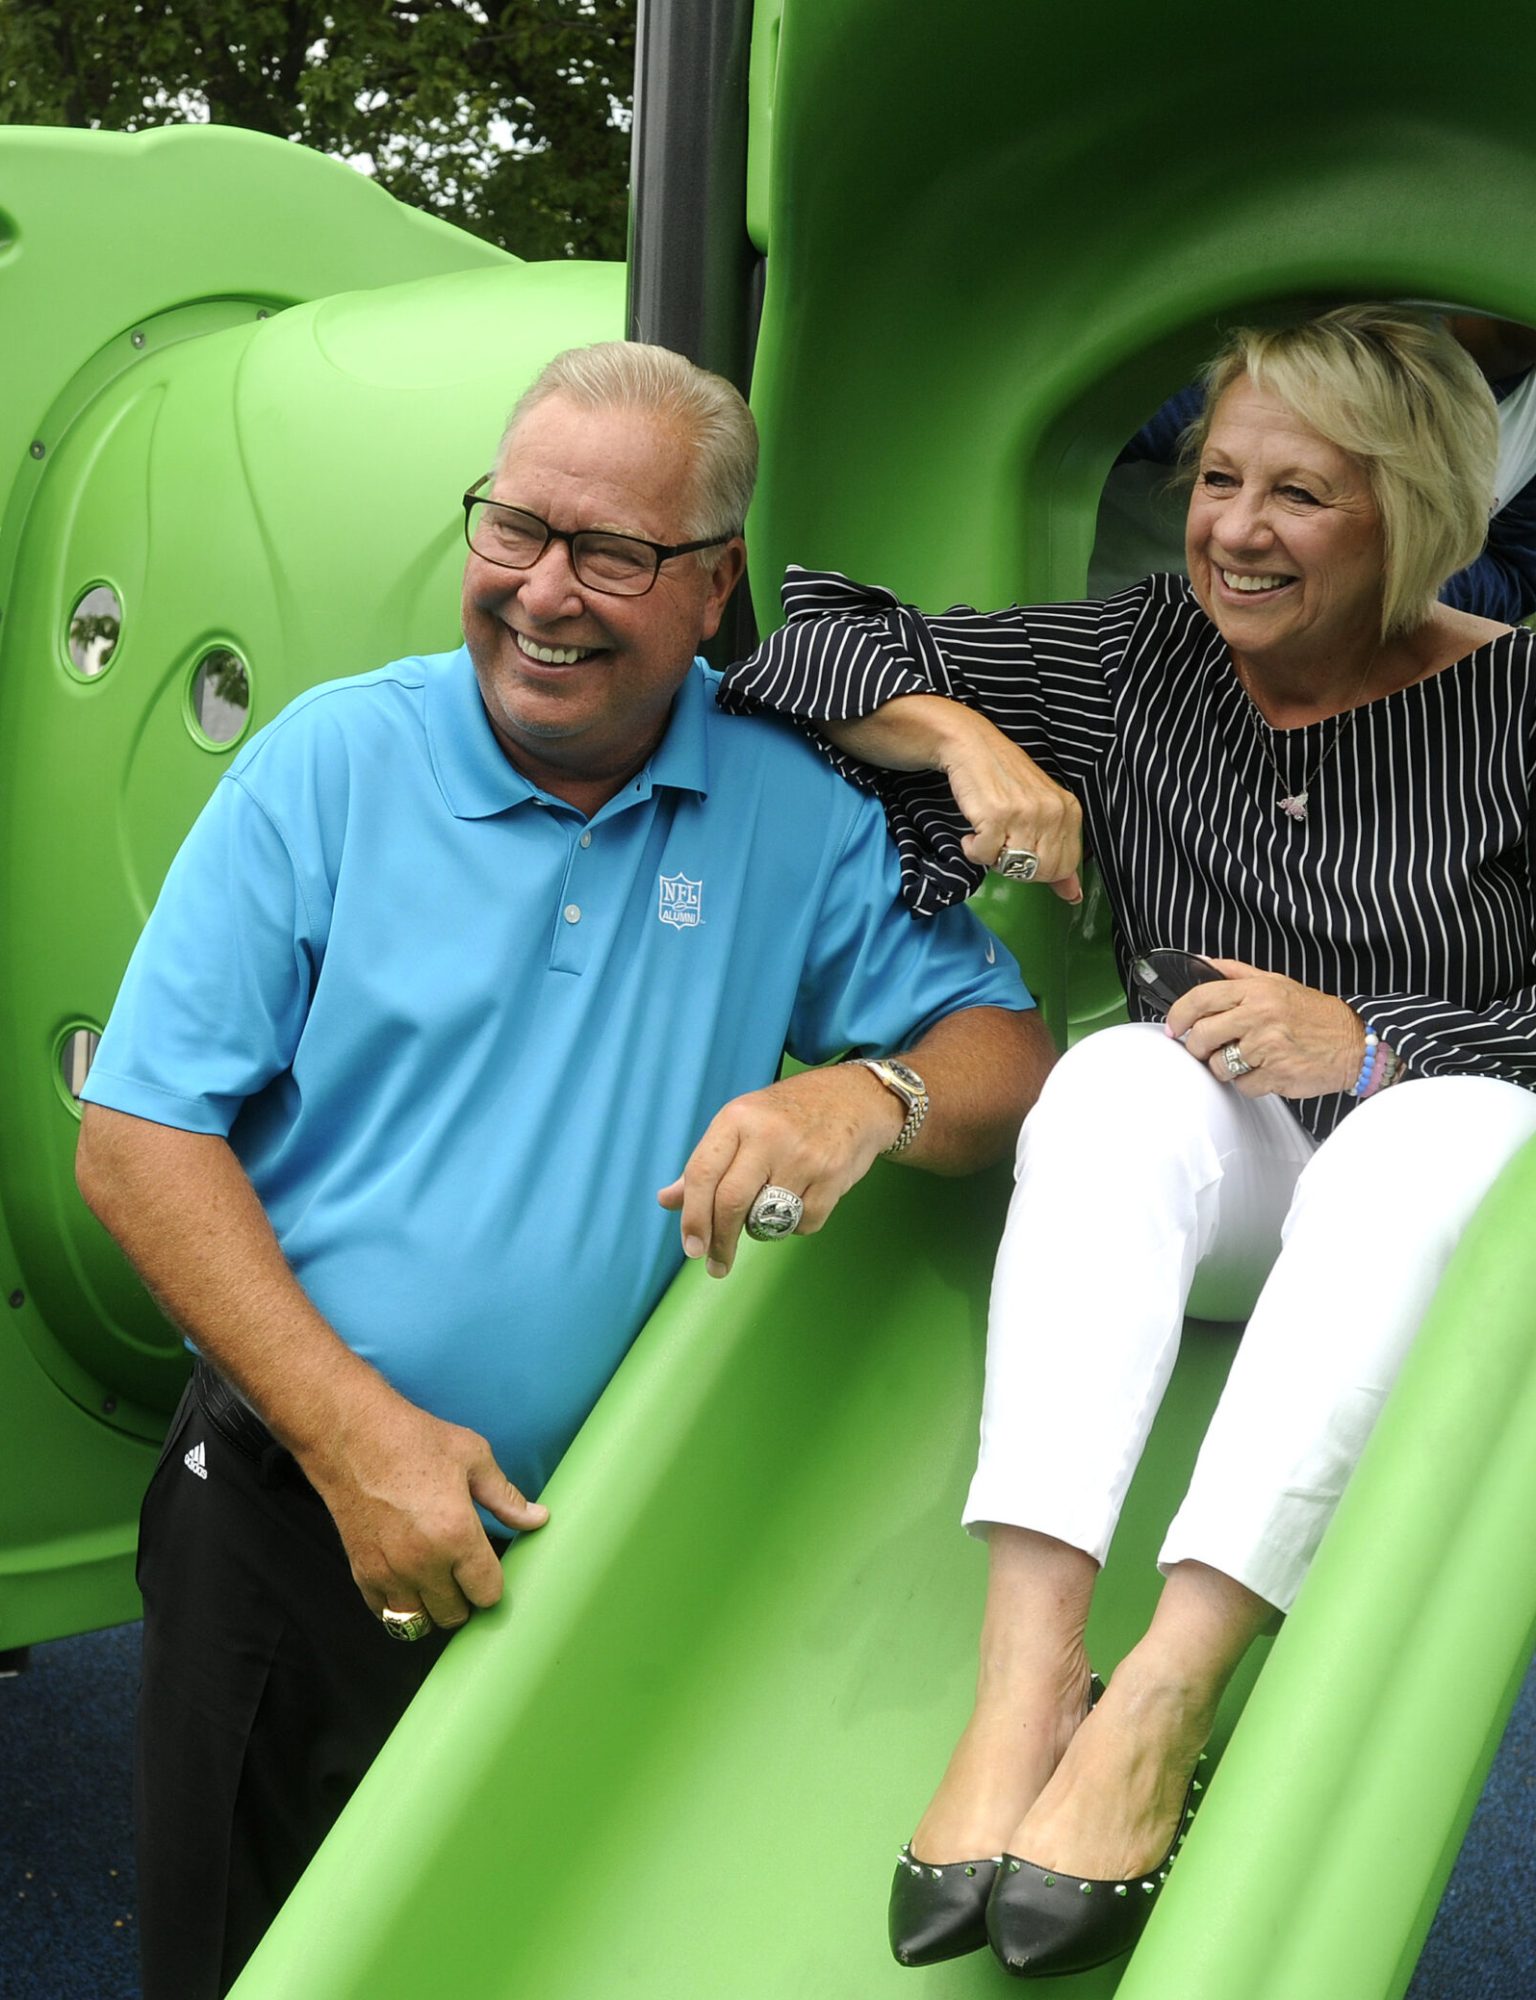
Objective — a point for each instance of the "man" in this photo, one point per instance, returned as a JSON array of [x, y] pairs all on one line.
[[449, 979]]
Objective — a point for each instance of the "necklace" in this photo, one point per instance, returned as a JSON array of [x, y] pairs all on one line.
[[1294, 804]]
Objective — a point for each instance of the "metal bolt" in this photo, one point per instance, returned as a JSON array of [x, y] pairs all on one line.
[[38, 448], [17, 1299], [262, 313], [108, 1405], [137, 339]]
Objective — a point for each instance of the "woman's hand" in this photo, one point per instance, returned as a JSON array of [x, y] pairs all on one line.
[[1297, 1041], [1005, 795], [1010, 802]]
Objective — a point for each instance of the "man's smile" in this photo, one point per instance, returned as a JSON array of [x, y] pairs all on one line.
[[554, 656]]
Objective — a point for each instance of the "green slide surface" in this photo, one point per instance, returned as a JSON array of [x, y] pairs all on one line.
[[680, 1756]]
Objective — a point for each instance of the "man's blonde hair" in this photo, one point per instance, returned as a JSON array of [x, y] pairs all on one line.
[[707, 410]]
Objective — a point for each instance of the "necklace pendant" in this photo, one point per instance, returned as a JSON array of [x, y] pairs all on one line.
[[1295, 806]]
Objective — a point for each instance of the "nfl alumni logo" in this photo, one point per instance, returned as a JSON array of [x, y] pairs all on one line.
[[682, 902]]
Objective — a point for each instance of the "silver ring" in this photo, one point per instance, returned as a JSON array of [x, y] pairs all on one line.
[[1237, 1064], [1018, 864], [406, 1624], [775, 1212]]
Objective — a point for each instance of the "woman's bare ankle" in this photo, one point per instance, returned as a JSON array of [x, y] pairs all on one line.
[[1006, 1755]]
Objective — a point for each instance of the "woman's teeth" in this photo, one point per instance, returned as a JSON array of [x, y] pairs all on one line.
[[1252, 585]]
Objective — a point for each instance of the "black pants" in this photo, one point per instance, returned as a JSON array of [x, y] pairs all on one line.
[[268, 1689]]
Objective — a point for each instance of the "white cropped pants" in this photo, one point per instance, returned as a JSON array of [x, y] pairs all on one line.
[[1144, 1188]]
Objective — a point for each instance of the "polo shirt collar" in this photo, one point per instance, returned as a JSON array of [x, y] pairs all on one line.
[[476, 779]]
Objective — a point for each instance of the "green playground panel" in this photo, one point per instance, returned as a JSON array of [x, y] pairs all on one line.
[[249, 395]]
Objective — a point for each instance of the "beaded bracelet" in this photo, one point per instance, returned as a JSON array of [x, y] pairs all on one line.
[[1362, 1082], [1380, 1067]]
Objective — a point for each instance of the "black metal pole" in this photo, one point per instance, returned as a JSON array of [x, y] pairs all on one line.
[[693, 272]]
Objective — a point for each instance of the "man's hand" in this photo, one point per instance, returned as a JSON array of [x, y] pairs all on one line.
[[401, 1486], [815, 1134]]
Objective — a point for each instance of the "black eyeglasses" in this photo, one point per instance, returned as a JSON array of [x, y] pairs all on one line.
[[616, 565]]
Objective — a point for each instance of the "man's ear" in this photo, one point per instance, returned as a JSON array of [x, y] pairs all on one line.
[[723, 579]]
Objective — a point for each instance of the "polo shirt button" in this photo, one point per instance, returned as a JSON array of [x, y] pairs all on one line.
[[573, 913], [586, 840]]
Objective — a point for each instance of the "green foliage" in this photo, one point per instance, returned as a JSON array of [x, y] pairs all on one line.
[[508, 117]]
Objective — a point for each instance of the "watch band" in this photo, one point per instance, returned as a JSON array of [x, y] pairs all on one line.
[[904, 1083]]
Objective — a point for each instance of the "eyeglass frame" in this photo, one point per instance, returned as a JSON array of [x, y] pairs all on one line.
[[660, 551]]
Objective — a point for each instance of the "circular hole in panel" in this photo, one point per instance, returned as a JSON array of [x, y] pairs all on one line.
[[8, 232], [76, 1053], [221, 695], [95, 626]]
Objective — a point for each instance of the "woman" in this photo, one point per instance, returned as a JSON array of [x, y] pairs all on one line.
[[1301, 763]]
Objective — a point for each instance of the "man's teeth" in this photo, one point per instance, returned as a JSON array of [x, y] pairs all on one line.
[[1251, 584], [555, 656]]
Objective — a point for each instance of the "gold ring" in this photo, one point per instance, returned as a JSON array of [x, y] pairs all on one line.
[[406, 1624]]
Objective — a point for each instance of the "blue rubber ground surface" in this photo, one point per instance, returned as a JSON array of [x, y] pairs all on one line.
[[66, 1843]]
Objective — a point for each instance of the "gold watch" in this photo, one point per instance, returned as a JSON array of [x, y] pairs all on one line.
[[902, 1081]]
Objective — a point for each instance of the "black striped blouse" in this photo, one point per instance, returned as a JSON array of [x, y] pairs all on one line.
[[1406, 889]]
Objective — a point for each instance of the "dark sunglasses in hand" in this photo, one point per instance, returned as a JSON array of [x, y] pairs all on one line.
[[1165, 976]]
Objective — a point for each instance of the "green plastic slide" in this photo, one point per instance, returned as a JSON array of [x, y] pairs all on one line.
[[681, 1755]]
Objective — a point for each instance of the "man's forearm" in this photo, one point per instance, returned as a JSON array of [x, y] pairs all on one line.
[[983, 1069], [189, 1221], [401, 1485]]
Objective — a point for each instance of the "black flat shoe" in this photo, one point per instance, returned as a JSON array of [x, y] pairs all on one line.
[[938, 1910], [1041, 1923]]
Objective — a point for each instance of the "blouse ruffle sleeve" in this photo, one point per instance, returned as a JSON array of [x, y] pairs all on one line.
[[844, 650]]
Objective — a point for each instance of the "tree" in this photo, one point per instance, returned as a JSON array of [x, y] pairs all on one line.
[[507, 117]]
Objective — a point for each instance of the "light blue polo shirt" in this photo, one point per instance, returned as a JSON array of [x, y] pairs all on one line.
[[459, 1035]]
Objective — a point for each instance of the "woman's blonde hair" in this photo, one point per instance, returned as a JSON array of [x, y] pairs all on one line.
[[1397, 393]]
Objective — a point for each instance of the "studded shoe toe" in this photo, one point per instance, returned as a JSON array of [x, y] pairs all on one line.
[[939, 1911], [1041, 1923]]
